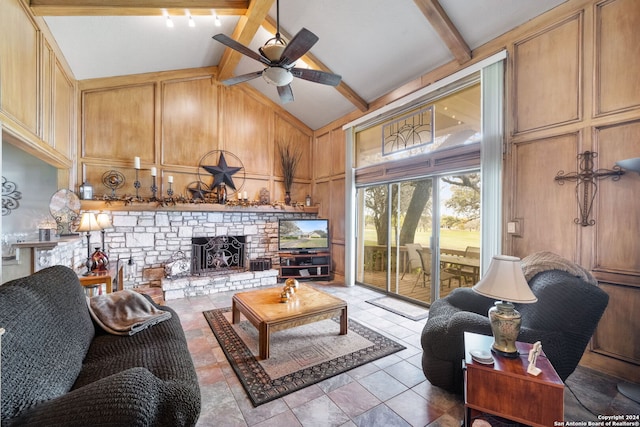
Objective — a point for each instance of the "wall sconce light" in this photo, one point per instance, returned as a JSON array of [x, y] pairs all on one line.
[[632, 165], [586, 184]]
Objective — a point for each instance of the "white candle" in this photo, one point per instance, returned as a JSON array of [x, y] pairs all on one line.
[[170, 179], [244, 195], [136, 162], [153, 171]]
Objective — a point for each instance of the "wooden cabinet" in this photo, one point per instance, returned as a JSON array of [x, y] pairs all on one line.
[[37, 106], [505, 389], [305, 266], [19, 80]]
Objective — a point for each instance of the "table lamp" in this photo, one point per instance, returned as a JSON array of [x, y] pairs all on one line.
[[104, 221], [88, 223], [504, 281]]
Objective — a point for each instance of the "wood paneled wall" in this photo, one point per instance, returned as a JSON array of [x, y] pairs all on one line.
[[329, 151], [175, 121], [575, 89], [572, 85]]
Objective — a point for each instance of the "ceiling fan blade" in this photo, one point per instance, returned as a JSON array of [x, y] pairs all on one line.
[[229, 42], [242, 78], [298, 46], [286, 94], [317, 76]]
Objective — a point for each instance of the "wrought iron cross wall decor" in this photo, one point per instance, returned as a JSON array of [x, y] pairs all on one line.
[[586, 186]]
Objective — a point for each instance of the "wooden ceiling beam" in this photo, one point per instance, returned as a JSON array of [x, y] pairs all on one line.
[[448, 32], [244, 33], [137, 8], [313, 62]]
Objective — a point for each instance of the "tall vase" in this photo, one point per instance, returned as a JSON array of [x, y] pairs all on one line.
[[99, 261], [287, 198]]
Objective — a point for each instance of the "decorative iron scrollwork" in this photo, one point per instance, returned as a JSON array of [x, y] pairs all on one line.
[[411, 131], [10, 196], [586, 184]]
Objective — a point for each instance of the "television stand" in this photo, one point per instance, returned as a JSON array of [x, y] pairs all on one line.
[[302, 266]]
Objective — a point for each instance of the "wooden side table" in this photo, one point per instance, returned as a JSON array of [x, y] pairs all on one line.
[[506, 390], [113, 274]]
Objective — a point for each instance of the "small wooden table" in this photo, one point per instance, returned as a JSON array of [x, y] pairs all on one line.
[[264, 310], [112, 274], [506, 389]]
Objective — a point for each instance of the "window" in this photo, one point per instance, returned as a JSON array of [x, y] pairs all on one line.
[[419, 184]]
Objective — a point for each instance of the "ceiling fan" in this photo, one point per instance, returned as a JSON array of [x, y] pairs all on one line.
[[279, 58]]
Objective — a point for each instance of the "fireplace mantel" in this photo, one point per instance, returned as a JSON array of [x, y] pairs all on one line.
[[99, 205]]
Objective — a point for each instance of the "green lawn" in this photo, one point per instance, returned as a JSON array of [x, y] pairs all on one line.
[[450, 239]]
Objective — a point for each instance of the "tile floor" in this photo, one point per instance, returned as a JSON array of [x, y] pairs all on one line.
[[388, 392]]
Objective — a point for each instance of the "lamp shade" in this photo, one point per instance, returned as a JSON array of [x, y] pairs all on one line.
[[88, 222], [504, 280], [104, 221]]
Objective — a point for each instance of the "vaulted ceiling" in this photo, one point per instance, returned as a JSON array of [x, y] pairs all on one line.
[[375, 45]]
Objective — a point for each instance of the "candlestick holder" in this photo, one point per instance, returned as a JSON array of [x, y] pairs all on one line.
[[154, 188], [136, 185], [170, 190]]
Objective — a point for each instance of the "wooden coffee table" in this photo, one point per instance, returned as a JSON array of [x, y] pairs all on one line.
[[264, 310]]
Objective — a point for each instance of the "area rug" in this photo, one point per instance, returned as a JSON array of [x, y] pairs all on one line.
[[403, 308], [299, 357]]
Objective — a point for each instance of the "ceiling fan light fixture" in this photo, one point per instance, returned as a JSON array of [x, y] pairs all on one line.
[[277, 76]]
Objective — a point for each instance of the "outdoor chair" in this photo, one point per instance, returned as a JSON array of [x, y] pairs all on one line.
[[468, 274], [422, 258], [414, 254]]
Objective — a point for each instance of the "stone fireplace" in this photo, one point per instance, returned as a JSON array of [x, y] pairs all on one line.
[[152, 238]]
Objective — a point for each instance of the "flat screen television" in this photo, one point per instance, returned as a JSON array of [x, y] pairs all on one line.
[[303, 235]]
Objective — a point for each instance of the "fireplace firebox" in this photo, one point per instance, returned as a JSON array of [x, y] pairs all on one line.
[[219, 254]]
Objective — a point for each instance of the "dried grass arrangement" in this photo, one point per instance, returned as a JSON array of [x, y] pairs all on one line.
[[289, 160]]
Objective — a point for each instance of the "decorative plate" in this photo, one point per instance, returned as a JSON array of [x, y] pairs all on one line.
[[65, 209]]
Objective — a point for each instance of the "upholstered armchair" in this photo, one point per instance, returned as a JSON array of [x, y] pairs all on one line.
[[563, 320]]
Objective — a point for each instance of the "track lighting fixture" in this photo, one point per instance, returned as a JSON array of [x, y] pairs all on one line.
[[192, 23], [168, 21], [216, 20]]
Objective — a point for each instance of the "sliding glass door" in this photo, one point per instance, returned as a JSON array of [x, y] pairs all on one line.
[[459, 231], [399, 245], [390, 217]]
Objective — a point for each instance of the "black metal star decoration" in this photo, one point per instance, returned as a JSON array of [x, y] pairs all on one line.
[[222, 173], [200, 191]]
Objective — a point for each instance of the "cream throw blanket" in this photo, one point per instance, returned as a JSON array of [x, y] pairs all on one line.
[[543, 261], [124, 312]]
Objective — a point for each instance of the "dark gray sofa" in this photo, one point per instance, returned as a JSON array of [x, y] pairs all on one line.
[[59, 368], [563, 320]]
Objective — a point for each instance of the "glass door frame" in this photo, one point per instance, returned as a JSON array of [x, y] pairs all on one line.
[[393, 237], [492, 80]]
